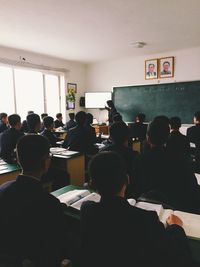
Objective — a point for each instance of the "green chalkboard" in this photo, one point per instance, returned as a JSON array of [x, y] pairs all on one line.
[[172, 99]]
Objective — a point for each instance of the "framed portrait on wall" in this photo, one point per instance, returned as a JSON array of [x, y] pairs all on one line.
[[166, 67], [151, 69]]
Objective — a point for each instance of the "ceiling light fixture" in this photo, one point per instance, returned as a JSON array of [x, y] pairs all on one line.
[[138, 44]]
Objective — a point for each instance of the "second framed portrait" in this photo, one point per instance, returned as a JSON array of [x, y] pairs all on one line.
[[166, 67], [151, 69]]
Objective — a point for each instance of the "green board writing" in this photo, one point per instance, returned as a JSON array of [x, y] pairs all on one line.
[[172, 99]]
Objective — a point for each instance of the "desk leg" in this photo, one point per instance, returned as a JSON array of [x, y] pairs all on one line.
[[76, 169]]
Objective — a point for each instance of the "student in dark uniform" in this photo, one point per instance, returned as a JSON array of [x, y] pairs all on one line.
[[178, 145], [3, 122], [193, 132], [48, 131], [172, 179], [32, 220], [71, 123], [24, 128], [114, 233], [10, 137], [58, 122], [43, 115], [34, 123], [139, 129], [119, 133]]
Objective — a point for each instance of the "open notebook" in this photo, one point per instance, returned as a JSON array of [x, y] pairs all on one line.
[[191, 222]]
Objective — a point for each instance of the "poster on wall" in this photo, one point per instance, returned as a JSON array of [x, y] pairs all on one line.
[[166, 67], [151, 69]]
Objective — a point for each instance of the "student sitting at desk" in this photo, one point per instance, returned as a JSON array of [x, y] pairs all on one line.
[[10, 137], [43, 115], [32, 220], [71, 123], [119, 133], [48, 131], [77, 138], [172, 180], [139, 129], [114, 233], [178, 145], [193, 132], [24, 128], [3, 122], [58, 122], [34, 123]]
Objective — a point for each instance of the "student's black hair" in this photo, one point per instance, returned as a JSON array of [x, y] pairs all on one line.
[[108, 173], [80, 118], [58, 115], [175, 123], [14, 119], [141, 117], [31, 151], [197, 115], [33, 120], [166, 62], [3, 115], [117, 117], [162, 118], [119, 132], [71, 116], [110, 104], [43, 115], [158, 132], [48, 121], [89, 118], [30, 112]]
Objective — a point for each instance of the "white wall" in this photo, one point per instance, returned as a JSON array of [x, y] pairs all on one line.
[[104, 76], [75, 70]]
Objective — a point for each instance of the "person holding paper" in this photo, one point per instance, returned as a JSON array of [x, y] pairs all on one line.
[[114, 233]]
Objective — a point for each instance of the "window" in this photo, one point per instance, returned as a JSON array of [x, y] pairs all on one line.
[[6, 91], [52, 93]]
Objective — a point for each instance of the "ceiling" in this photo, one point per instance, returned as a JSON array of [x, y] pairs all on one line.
[[96, 30]]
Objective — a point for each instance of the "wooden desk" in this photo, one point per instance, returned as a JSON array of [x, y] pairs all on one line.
[[74, 165], [136, 146], [101, 129], [75, 215], [10, 173]]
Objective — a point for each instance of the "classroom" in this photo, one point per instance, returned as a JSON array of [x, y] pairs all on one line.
[[99, 133]]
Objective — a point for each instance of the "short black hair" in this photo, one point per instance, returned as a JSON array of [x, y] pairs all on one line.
[[162, 118], [31, 150], [71, 116], [14, 119], [108, 173], [175, 123], [80, 117], [58, 115], [117, 117], [119, 132], [30, 112], [110, 104], [158, 132], [89, 118], [197, 115], [166, 62], [32, 121], [3, 115], [141, 117], [48, 121], [43, 115]]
